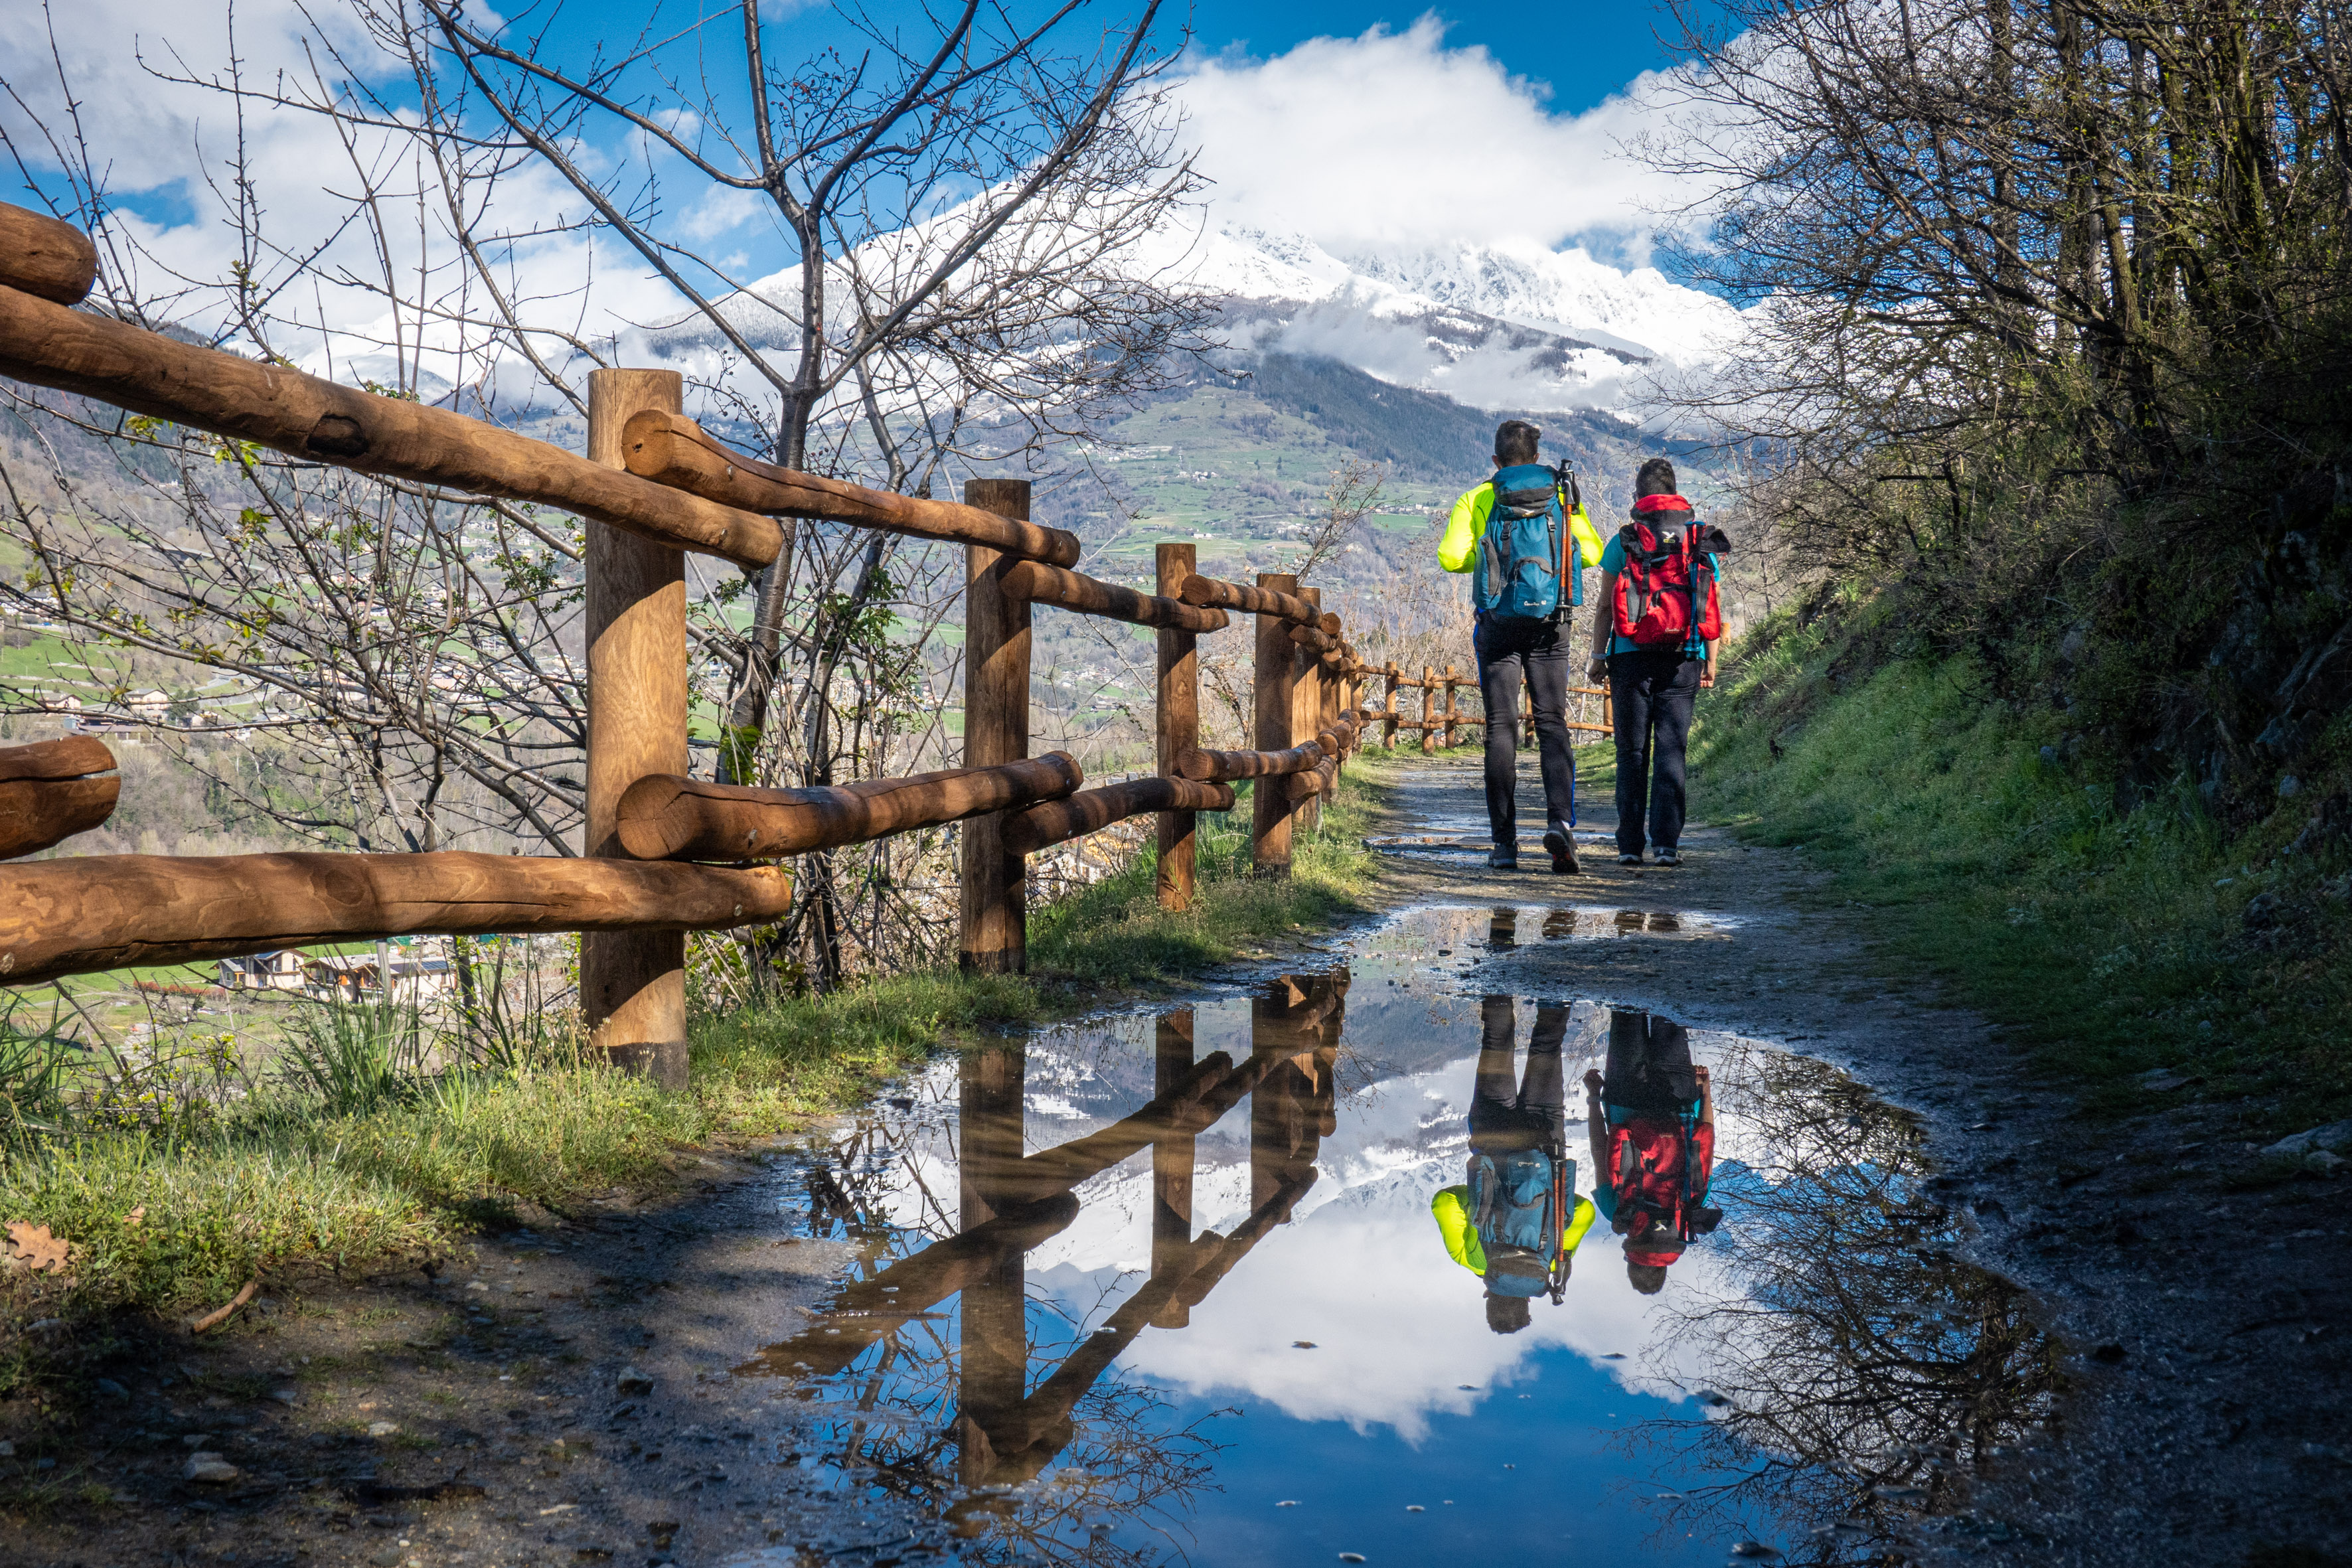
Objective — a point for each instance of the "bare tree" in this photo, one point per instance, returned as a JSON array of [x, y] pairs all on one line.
[[1355, 487]]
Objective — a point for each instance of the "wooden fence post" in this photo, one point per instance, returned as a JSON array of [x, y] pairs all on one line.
[[1307, 693], [994, 928], [1428, 708], [1172, 1159], [1269, 802], [633, 983], [1453, 715], [1389, 709], [1179, 726]]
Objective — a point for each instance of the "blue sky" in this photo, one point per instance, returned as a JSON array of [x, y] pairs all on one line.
[[1582, 51]]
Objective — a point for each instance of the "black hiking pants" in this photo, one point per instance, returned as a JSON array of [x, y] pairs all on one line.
[[1533, 1114], [1648, 1070], [1649, 696], [1537, 652]]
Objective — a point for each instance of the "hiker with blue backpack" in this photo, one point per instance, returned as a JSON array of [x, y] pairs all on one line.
[[1651, 1115], [1653, 638], [1516, 1222], [1524, 536]]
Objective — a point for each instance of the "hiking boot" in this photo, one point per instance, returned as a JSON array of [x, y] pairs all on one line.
[[1666, 857], [1628, 859], [1502, 860], [1562, 845]]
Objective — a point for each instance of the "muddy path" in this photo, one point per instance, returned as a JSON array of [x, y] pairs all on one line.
[[1165, 1288]]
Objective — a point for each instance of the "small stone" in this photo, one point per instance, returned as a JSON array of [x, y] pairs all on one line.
[[1302, 1345], [382, 1428], [1351, 1557], [287, 1396], [210, 1469], [632, 1381], [112, 1389], [2335, 1138]]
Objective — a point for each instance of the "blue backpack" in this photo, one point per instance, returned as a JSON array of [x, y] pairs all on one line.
[[1524, 552], [1519, 1204]]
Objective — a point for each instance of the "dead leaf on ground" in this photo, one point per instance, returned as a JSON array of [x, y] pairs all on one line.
[[135, 1215], [36, 1248]]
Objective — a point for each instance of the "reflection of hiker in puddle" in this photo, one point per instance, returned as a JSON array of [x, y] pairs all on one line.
[[1521, 1191], [1652, 1117]]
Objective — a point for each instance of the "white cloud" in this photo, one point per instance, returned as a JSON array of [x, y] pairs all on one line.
[[1394, 140]]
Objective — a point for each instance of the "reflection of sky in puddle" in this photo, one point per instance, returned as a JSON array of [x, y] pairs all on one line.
[[1121, 1379]]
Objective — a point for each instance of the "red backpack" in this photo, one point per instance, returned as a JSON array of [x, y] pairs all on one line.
[[1650, 1166], [1666, 592]]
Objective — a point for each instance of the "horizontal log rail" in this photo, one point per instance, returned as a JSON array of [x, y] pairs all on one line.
[[1321, 779], [1089, 811], [666, 817], [1311, 638], [47, 793], [1218, 766], [93, 912], [673, 450], [306, 416], [1044, 585], [44, 257], [1215, 593]]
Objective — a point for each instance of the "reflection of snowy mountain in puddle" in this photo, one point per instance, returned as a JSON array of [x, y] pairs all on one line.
[[1097, 1242]]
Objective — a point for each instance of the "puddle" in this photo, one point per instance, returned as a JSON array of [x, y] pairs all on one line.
[[1167, 1289]]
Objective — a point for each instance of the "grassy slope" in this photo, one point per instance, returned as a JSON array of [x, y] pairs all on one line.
[[273, 1187], [2111, 942]]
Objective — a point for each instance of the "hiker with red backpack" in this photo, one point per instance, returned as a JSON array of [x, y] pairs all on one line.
[[1653, 639], [1524, 536], [1651, 1115], [1516, 1222]]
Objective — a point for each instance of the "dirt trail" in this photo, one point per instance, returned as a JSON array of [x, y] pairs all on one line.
[[578, 1373]]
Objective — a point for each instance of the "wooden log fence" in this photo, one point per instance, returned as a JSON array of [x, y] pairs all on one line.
[[668, 818], [93, 912], [652, 486], [1090, 811], [50, 791], [671, 449], [1043, 585]]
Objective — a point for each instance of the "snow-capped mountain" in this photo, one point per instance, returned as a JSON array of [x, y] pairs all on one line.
[[1491, 326]]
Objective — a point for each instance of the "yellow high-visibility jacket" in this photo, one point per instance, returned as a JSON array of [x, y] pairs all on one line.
[[1468, 526], [1452, 1208]]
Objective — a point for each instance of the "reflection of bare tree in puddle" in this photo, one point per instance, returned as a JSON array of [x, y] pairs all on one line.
[[957, 1425], [1858, 1370]]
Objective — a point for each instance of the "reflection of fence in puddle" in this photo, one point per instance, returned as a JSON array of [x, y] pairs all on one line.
[[957, 1424], [1860, 1369]]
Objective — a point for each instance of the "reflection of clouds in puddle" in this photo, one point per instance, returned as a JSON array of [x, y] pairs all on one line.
[[1399, 1328]]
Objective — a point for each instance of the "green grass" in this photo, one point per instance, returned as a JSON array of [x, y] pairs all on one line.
[[280, 1184], [2110, 941]]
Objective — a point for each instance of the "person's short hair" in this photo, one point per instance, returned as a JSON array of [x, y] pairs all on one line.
[[1649, 1278], [1655, 477], [1515, 442], [1509, 1314]]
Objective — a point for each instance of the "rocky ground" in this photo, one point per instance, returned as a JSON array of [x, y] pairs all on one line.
[[565, 1394]]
